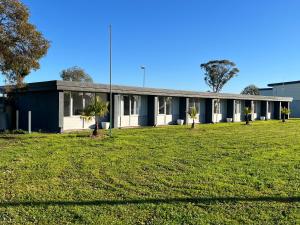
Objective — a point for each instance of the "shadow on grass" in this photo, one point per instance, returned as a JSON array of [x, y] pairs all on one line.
[[153, 201], [6, 137]]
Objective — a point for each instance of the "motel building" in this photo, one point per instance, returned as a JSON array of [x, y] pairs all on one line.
[[56, 106]]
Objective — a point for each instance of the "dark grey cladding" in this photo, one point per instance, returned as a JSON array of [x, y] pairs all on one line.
[[284, 83]]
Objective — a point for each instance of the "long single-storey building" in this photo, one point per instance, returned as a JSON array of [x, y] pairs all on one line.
[[56, 106]]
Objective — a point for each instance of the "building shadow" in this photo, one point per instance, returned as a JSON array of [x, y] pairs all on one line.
[[215, 200]]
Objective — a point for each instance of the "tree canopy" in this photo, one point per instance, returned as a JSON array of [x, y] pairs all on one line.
[[76, 74], [250, 90], [21, 45], [218, 73]]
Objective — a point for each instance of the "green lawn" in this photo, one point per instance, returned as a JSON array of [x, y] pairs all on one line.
[[218, 174]]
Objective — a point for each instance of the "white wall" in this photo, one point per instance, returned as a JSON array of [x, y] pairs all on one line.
[[76, 123]]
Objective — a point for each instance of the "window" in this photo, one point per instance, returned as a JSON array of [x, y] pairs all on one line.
[[217, 109], [77, 103], [135, 104], [102, 96], [88, 99], [237, 107], [165, 105], [269, 107], [67, 104], [126, 105], [161, 105], [254, 107], [195, 102], [168, 106]]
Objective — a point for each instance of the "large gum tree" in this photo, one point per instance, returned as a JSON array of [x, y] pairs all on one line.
[[21, 44], [218, 72]]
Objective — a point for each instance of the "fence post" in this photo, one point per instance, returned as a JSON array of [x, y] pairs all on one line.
[[29, 122], [17, 119]]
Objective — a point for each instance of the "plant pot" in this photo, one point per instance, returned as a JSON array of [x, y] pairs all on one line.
[[262, 118], [229, 120], [180, 122], [105, 125]]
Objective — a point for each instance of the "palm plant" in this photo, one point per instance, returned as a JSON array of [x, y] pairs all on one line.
[[97, 109], [247, 112], [193, 114], [285, 112]]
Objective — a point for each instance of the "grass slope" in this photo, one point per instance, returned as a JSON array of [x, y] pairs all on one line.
[[218, 174]]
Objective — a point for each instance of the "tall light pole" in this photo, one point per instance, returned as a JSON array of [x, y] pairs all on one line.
[[144, 79], [110, 88]]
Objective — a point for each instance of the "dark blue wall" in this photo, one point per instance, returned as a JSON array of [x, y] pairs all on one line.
[[44, 107]]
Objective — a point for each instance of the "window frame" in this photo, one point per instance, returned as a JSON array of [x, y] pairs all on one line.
[[129, 106], [218, 109], [167, 106], [134, 102], [163, 105], [237, 107], [255, 107], [195, 103]]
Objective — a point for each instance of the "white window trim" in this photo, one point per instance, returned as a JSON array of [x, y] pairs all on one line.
[[165, 106]]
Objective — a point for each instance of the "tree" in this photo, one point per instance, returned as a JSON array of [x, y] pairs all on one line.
[[285, 112], [193, 114], [76, 74], [218, 73], [247, 112], [250, 90], [97, 109], [21, 45]]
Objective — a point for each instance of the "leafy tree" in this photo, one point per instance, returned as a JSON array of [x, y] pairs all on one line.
[[193, 114], [250, 90], [285, 112], [218, 73], [21, 45], [97, 109], [247, 112], [76, 74]]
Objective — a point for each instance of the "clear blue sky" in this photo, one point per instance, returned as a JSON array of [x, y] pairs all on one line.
[[172, 38]]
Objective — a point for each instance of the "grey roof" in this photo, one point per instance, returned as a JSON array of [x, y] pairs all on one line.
[[118, 89], [284, 83]]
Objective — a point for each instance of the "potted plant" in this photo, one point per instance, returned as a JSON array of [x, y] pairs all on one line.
[[95, 110], [247, 112], [285, 112], [229, 120], [180, 122], [193, 114]]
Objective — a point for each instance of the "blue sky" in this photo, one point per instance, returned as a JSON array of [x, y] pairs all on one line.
[[172, 38]]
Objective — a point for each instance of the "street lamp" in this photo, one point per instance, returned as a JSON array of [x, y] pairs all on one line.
[[144, 79], [110, 81]]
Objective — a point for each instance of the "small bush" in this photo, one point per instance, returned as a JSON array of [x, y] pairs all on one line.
[[3, 131], [19, 131]]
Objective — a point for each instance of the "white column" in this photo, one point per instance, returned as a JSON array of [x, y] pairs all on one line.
[[29, 122], [117, 111], [71, 105], [17, 119]]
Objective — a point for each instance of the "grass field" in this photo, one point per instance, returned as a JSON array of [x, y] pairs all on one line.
[[218, 174]]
